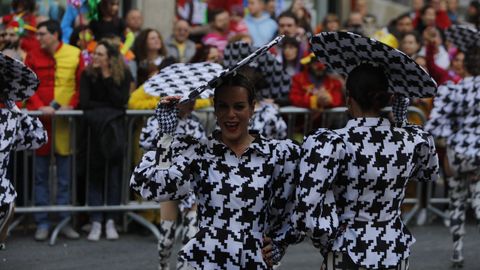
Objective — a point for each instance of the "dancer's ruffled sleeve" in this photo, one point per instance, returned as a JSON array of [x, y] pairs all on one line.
[[322, 156], [164, 174], [442, 121], [149, 135], [30, 133], [425, 158]]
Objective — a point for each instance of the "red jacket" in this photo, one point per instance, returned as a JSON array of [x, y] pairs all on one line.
[[59, 81], [301, 92]]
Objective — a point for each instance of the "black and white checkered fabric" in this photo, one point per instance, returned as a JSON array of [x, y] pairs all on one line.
[[343, 51], [150, 134], [400, 109], [167, 116], [278, 81], [19, 132], [456, 117], [19, 81], [240, 199], [463, 36], [268, 122], [181, 79], [366, 165]]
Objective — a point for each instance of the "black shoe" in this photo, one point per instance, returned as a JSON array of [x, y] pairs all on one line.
[[457, 259]]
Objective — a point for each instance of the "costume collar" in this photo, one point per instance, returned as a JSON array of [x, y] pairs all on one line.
[[259, 144], [368, 122]]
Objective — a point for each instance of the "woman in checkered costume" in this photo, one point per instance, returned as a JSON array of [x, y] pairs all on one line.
[[190, 125], [19, 131], [455, 117], [352, 180], [244, 183]]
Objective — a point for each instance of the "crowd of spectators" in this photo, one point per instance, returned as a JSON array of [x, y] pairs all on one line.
[[93, 59]]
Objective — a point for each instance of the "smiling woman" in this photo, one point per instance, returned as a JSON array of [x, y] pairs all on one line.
[[243, 182]]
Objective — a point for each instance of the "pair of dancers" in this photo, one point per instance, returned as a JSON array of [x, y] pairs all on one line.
[[343, 188]]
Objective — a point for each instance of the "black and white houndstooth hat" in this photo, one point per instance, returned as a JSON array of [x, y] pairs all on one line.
[[181, 79], [343, 51], [278, 81], [19, 81], [463, 37]]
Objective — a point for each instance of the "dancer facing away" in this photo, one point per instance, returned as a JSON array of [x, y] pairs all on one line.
[[352, 180], [455, 118], [244, 183]]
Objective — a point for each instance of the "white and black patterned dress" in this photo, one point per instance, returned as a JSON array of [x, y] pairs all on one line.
[[268, 122], [18, 132], [240, 199], [186, 126], [455, 116], [355, 177]]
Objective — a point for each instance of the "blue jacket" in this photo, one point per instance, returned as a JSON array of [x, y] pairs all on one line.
[[261, 29]]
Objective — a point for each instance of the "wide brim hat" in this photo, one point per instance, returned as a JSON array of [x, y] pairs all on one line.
[[19, 81], [463, 37], [181, 79], [343, 51], [277, 80]]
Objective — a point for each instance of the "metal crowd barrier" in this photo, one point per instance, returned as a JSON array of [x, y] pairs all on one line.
[[27, 192]]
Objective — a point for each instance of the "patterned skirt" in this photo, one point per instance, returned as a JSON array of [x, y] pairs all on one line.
[[341, 261]]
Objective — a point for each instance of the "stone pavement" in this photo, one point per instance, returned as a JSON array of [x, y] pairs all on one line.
[[131, 251]]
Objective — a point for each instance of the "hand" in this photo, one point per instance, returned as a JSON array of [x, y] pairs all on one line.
[[170, 100], [267, 249], [167, 114], [47, 110], [324, 99], [66, 108]]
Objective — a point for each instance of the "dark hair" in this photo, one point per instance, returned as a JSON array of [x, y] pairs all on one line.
[[212, 14], [201, 54], [52, 26], [288, 14], [140, 45], [29, 5], [368, 86], [241, 79], [472, 62], [415, 34]]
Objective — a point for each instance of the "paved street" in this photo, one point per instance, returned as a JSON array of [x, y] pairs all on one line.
[[431, 252]]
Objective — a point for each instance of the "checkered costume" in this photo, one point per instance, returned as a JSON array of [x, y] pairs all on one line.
[[352, 184], [240, 199], [19, 132], [268, 122], [455, 116]]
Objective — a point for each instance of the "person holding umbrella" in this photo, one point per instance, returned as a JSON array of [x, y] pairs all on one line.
[[455, 118], [185, 78], [20, 131], [244, 183], [352, 180]]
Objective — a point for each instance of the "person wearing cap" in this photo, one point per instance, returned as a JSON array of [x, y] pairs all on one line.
[[313, 88], [244, 183], [20, 131], [12, 41], [454, 120], [352, 180], [58, 66]]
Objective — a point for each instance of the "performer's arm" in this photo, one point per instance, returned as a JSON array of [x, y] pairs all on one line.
[[426, 159], [315, 211], [30, 133], [164, 174]]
